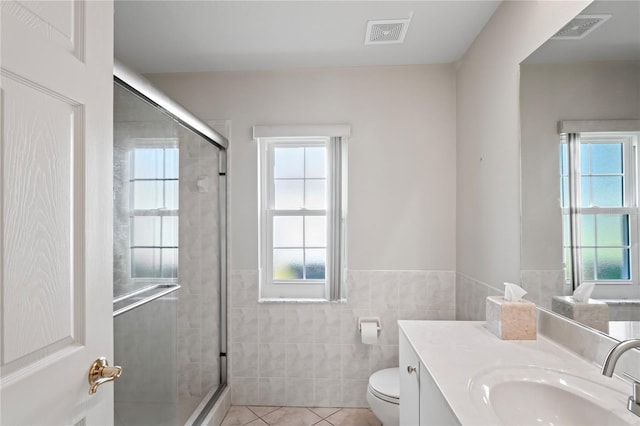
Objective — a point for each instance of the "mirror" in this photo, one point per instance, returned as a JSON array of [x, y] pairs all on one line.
[[590, 72]]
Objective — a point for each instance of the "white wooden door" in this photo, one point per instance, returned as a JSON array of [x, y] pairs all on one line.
[[55, 210]]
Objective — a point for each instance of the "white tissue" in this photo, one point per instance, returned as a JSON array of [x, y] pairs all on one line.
[[583, 292], [369, 333], [513, 292]]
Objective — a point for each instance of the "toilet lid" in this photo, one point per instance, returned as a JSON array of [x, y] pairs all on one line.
[[386, 382]]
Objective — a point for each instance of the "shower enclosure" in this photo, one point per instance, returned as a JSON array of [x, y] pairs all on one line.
[[169, 258]]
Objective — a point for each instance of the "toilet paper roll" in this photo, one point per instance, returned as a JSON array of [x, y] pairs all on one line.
[[369, 333]]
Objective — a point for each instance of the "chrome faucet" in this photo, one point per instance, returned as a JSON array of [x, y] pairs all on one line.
[[633, 404]]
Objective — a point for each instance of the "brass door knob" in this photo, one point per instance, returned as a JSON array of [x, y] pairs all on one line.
[[101, 373]]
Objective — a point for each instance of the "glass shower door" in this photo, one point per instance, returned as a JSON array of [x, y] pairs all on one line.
[[167, 265]]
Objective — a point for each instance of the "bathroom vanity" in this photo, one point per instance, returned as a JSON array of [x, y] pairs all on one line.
[[458, 373]]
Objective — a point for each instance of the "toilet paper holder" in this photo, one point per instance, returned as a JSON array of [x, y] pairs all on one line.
[[375, 320]]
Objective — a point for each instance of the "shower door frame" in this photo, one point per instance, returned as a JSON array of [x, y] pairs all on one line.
[[145, 90]]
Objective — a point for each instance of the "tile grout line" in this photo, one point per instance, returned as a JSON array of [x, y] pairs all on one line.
[[281, 407], [308, 409]]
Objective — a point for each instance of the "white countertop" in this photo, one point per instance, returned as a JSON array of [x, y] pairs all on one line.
[[455, 352]]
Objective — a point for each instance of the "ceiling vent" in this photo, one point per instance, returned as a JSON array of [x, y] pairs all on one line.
[[389, 31], [580, 26]]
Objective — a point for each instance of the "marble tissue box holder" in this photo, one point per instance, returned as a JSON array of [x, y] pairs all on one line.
[[592, 313], [511, 320]]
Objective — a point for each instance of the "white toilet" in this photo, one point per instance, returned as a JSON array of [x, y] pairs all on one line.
[[383, 395]]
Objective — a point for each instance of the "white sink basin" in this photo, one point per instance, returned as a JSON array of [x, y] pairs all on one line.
[[523, 395]]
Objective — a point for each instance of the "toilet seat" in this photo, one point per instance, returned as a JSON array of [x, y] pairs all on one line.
[[385, 385]]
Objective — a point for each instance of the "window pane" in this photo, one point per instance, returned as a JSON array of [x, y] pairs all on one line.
[[315, 231], [566, 231], [565, 191], [606, 158], [612, 230], [613, 264], [567, 264], [315, 263], [147, 195], [170, 231], [145, 230], [585, 169], [147, 163], [315, 194], [289, 194], [288, 163], [287, 264], [607, 191], [316, 162], [171, 163], [169, 263], [588, 264], [287, 231], [171, 194], [145, 263], [588, 231], [585, 191]]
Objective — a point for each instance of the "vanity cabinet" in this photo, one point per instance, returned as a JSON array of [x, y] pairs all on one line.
[[421, 402], [409, 383]]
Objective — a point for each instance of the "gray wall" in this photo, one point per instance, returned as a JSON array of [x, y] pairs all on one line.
[[401, 152], [488, 154], [401, 236]]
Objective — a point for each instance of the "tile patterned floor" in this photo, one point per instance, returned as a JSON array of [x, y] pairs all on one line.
[[299, 416]]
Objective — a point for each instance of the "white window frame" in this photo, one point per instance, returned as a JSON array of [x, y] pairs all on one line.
[[629, 141], [334, 138], [156, 143]]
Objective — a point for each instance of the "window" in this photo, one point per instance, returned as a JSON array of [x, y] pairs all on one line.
[[301, 217], [600, 208], [154, 213]]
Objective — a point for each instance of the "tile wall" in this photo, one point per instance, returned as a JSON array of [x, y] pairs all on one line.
[[624, 310], [296, 354], [471, 298], [471, 294], [586, 342], [141, 390], [198, 304], [541, 285]]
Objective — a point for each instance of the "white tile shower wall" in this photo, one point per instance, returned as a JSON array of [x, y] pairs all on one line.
[[198, 307], [311, 354], [139, 333]]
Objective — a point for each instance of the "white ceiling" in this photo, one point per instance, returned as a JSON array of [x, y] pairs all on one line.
[[616, 39], [183, 36]]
